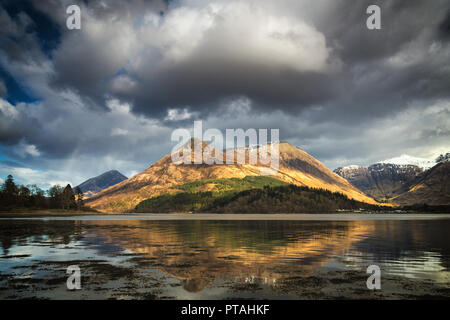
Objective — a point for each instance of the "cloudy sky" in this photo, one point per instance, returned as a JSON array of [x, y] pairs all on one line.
[[75, 103]]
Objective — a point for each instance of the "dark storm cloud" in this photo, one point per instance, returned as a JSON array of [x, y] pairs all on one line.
[[202, 87], [3, 90], [88, 64], [36, 21], [85, 62], [14, 125], [402, 22], [444, 27], [220, 65]]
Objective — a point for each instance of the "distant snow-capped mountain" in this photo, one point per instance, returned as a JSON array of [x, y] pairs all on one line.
[[405, 159], [101, 182], [404, 180], [379, 180], [352, 167]]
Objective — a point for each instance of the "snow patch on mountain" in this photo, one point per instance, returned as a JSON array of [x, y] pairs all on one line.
[[352, 167], [405, 159]]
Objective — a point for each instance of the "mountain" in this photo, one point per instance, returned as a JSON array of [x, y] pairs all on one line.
[[380, 180], [101, 182], [431, 187], [405, 159], [295, 167], [403, 180]]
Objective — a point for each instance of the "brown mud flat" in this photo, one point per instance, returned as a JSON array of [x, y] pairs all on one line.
[[351, 285]]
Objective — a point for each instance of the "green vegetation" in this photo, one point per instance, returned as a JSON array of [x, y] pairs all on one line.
[[249, 195], [14, 198], [189, 198], [232, 184], [289, 199]]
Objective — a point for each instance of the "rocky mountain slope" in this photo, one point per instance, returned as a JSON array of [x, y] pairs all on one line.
[[380, 180], [403, 183], [101, 182], [431, 187], [295, 166]]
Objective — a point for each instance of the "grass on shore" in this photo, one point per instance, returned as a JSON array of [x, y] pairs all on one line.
[[29, 213]]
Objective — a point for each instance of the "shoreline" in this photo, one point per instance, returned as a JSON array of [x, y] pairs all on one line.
[[231, 217]]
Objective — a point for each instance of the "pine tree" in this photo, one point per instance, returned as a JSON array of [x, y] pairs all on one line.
[[9, 191], [68, 198], [79, 197]]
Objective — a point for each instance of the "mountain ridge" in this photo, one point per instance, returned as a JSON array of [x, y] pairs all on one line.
[[101, 182], [380, 180], [403, 184]]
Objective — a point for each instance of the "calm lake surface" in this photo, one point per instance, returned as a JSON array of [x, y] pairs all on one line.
[[213, 257]]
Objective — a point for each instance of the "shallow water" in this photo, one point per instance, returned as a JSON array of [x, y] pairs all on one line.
[[187, 257]]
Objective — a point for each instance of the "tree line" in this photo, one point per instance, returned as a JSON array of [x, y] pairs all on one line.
[[13, 196], [286, 198]]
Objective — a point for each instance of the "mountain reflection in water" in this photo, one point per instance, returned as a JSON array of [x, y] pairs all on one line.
[[201, 254]]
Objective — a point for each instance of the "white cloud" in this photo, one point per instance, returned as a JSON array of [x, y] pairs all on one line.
[[44, 179], [118, 108], [119, 132], [178, 114], [24, 149], [123, 84], [7, 109], [242, 31]]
